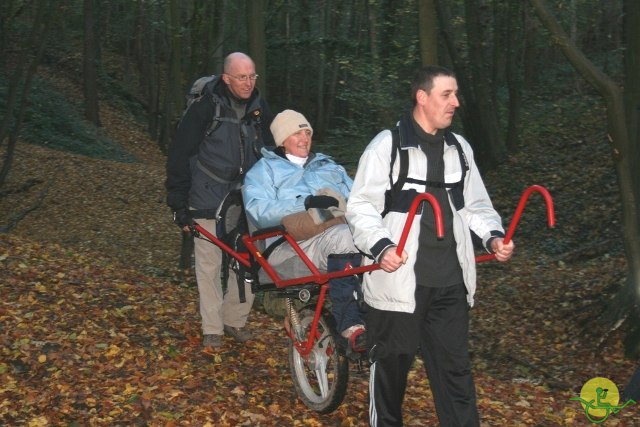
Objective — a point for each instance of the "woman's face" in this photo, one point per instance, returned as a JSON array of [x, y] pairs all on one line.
[[298, 144]]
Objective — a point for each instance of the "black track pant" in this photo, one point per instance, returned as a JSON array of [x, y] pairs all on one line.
[[440, 327]]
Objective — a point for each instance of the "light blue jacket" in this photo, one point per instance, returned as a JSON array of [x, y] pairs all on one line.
[[275, 187]]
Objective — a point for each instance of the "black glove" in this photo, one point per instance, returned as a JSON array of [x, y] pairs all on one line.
[[182, 217], [320, 202]]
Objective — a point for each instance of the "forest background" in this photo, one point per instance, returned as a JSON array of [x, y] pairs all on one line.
[[91, 91]]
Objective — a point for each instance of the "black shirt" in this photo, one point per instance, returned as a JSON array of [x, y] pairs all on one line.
[[437, 263]]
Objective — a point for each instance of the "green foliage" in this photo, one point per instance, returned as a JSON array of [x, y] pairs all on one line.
[[53, 121]]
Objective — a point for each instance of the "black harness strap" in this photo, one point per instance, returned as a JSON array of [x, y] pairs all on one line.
[[455, 190], [396, 187]]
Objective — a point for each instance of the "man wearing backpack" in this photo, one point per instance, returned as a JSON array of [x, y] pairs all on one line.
[[421, 298], [218, 139]]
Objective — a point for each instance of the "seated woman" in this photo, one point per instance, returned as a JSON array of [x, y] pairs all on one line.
[[292, 179]]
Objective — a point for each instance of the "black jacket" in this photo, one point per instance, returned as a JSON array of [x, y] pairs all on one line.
[[206, 159]]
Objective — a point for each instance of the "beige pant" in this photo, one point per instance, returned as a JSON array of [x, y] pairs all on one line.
[[217, 309], [333, 240]]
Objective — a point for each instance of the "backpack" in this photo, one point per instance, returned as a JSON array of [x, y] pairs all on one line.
[[231, 220], [231, 225], [196, 93], [393, 195]]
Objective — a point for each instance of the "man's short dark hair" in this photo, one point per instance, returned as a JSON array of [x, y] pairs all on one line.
[[424, 79]]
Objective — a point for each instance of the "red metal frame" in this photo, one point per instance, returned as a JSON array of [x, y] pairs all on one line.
[[315, 276], [551, 217], [321, 279]]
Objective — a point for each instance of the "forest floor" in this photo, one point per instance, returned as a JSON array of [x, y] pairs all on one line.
[[97, 328]]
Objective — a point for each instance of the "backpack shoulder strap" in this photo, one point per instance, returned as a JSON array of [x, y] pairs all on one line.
[[404, 161], [456, 190], [215, 120], [452, 140], [396, 186]]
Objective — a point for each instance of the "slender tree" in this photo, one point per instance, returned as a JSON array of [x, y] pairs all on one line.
[[515, 44], [632, 84], [428, 32], [29, 58], [257, 47], [320, 30], [9, 9], [90, 63], [478, 111], [488, 139], [338, 26], [173, 99], [219, 28]]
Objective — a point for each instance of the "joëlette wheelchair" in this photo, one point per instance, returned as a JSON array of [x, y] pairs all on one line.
[[318, 359]]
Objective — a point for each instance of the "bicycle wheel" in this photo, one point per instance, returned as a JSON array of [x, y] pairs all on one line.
[[321, 378]]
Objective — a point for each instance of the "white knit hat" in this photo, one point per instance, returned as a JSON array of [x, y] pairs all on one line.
[[286, 124]]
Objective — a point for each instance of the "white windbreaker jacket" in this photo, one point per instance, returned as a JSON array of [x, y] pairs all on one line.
[[395, 291]]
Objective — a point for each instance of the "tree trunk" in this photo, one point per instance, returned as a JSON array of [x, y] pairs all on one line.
[[340, 25], [30, 57], [624, 152], [487, 140], [288, 90], [208, 62], [7, 20], [632, 82], [90, 64], [173, 96], [478, 111], [320, 28], [447, 32], [257, 46], [428, 32], [219, 32], [531, 52], [515, 40], [631, 27], [372, 19], [153, 79]]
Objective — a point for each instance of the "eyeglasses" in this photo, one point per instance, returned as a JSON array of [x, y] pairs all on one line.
[[244, 77]]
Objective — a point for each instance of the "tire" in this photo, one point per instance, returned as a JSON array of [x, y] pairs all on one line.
[[321, 389]]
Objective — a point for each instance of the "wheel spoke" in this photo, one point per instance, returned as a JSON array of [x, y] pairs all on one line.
[[321, 377], [323, 380]]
